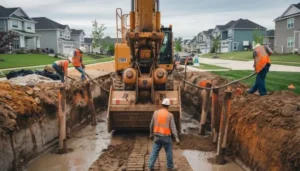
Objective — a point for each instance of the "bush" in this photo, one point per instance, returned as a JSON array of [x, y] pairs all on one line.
[[51, 51], [56, 56], [21, 52]]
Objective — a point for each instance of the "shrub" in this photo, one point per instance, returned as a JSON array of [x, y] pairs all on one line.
[[51, 51]]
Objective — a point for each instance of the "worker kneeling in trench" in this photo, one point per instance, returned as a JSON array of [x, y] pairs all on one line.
[[161, 127]]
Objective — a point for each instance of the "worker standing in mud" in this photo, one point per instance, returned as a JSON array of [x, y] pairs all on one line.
[[78, 62], [262, 65], [61, 67], [161, 127]]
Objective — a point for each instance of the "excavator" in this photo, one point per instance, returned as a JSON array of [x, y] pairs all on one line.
[[144, 65]]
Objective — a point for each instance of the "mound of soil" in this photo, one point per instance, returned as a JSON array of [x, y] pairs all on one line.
[[193, 142]]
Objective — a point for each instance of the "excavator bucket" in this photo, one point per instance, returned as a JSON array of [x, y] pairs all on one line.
[[124, 114]]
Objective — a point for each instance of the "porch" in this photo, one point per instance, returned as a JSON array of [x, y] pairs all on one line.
[[26, 41]]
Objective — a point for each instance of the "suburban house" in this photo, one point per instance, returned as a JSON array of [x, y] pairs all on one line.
[[55, 36], [270, 38], [16, 20], [184, 45], [193, 45], [88, 45], [237, 35], [103, 44], [204, 41], [78, 37], [287, 33]]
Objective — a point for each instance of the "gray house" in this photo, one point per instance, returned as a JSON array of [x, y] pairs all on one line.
[[78, 37], [237, 35], [204, 42], [105, 41], [54, 36], [287, 33], [270, 38], [16, 20], [88, 45]]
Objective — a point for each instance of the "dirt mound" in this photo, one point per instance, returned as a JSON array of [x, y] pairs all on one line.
[[114, 157], [264, 131]]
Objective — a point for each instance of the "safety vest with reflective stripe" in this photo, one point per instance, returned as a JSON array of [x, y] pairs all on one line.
[[77, 58], [262, 58], [162, 120]]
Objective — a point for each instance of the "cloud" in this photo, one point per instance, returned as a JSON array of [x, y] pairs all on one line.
[[188, 17]]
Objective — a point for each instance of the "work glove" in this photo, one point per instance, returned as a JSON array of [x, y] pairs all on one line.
[[177, 141], [151, 137]]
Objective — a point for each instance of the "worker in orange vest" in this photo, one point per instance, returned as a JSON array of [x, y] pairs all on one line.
[[161, 127], [77, 61], [61, 67], [262, 65]]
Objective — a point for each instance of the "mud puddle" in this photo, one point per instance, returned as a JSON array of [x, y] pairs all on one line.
[[87, 146]]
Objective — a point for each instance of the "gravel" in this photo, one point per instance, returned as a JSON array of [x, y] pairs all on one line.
[[31, 80]]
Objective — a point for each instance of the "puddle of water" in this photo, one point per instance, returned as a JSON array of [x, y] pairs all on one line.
[[87, 146], [198, 161]]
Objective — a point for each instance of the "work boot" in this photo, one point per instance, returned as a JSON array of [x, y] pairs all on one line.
[[174, 168]]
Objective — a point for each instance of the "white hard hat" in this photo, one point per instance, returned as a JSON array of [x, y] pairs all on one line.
[[166, 102], [257, 45], [82, 49]]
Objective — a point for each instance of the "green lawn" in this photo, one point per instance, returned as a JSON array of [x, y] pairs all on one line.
[[24, 60], [290, 59], [275, 80], [209, 67]]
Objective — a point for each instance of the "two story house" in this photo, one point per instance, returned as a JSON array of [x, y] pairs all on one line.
[[78, 37], [88, 45], [270, 38], [287, 33], [237, 35], [204, 42], [16, 20], [184, 45], [54, 36]]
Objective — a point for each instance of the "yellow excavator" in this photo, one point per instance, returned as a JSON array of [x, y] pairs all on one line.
[[144, 64]]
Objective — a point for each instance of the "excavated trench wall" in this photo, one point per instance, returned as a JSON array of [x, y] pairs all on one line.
[[28, 133]]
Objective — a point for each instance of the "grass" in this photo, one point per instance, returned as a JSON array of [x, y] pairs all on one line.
[[281, 59], [25, 60], [275, 81], [209, 67]]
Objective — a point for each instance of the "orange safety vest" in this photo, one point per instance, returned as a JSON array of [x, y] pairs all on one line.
[[63, 64], [77, 58], [162, 120], [262, 58]]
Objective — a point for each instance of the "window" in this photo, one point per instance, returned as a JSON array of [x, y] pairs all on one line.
[[28, 25], [290, 23], [16, 44], [235, 45], [14, 24], [61, 34], [290, 42], [229, 33]]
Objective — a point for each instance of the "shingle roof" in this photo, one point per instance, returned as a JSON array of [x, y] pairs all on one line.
[[46, 23], [76, 31], [245, 24], [208, 32], [270, 33], [6, 12], [88, 40], [297, 5]]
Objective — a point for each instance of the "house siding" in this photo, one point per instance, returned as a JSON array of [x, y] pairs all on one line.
[[76, 38], [49, 39], [243, 35], [10, 23], [2, 26], [282, 34], [32, 30]]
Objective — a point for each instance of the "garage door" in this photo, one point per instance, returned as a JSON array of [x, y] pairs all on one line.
[[68, 48], [204, 50], [224, 49]]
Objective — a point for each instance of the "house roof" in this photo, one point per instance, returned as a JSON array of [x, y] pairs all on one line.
[[245, 24], [6, 12], [270, 33], [226, 26], [283, 17], [88, 40], [208, 32], [46, 23], [76, 31]]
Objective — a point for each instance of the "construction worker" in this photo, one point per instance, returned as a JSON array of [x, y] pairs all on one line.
[[61, 67], [262, 65], [77, 61], [161, 127]]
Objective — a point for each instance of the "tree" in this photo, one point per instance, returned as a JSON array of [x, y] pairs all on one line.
[[104, 46], [216, 44], [111, 48], [6, 41], [97, 34], [178, 47], [258, 36]]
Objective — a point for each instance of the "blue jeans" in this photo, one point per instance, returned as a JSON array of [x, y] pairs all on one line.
[[160, 142], [59, 71], [81, 70], [260, 84]]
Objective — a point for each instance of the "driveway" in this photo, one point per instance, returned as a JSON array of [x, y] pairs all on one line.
[[245, 65]]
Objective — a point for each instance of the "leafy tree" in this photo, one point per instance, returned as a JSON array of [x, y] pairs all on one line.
[[6, 40], [104, 45], [111, 48], [258, 36], [178, 47], [98, 33], [216, 44]]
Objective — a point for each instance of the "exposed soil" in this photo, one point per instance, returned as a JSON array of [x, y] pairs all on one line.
[[193, 142]]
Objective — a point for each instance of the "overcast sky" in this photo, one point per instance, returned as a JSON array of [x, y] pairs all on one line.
[[189, 17]]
